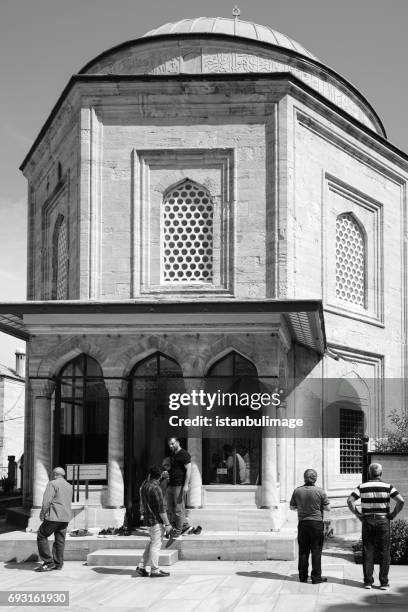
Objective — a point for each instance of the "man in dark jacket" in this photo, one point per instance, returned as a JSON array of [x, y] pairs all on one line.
[[310, 502], [155, 518], [55, 515]]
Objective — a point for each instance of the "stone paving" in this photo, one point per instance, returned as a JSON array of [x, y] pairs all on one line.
[[223, 586]]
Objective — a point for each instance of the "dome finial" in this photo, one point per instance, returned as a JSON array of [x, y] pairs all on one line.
[[236, 13]]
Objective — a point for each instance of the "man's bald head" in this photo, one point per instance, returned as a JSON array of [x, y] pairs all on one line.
[[58, 472]]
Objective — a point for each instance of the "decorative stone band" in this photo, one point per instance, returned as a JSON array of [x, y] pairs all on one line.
[[203, 57]]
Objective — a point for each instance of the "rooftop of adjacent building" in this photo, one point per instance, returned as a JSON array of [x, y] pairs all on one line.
[[19, 372]]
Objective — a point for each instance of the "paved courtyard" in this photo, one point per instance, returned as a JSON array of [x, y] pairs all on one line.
[[240, 586]]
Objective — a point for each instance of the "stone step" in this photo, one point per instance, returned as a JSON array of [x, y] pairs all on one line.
[[208, 546], [231, 519], [120, 556]]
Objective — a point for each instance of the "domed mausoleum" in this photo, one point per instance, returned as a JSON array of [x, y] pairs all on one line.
[[211, 208]]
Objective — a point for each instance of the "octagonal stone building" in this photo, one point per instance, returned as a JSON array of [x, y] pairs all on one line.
[[210, 201]]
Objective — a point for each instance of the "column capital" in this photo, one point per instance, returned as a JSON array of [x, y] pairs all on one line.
[[42, 387], [116, 387]]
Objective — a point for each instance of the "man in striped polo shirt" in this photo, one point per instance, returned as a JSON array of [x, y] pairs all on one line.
[[375, 516]]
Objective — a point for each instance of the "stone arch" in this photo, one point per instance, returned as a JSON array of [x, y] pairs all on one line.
[[52, 364], [125, 361], [223, 353]]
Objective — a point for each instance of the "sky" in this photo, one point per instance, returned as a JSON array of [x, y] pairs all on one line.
[[44, 42]]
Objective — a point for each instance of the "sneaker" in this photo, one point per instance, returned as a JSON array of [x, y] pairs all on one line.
[[198, 530], [46, 567], [319, 580], [141, 572], [159, 574], [368, 586], [303, 579], [385, 587]]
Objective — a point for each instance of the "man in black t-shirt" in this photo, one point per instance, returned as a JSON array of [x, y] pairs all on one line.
[[312, 505], [179, 481]]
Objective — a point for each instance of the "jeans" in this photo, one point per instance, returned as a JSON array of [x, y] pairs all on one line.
[[152, 550], [310, 540], [176, 508], [59, 530], [376, 542]]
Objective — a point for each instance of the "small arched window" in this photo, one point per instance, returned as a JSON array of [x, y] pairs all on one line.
[[187, 222], [350, 260], [60, 260]]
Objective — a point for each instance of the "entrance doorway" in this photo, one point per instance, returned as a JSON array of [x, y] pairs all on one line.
[[233, 460], [150, 383]]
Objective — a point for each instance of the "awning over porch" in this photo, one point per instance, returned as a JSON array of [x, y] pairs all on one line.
[[304, 318]]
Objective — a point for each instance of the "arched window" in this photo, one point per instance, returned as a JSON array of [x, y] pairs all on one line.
[[81, 413], [235, 459], [350, 261], [60, 260], [187, 222]]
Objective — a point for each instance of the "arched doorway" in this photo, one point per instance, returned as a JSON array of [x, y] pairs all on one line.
[[150, 383], [81, 418], [236, 459]]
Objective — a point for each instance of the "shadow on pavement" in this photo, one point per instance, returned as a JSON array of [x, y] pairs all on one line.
[[294, 578], [269, 575], [23, 565], [394, 599], [114, 571]]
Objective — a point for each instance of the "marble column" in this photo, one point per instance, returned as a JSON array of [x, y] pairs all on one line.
[[270, 490], [42, 391], [281, 454], [117, 390], [194, 447]]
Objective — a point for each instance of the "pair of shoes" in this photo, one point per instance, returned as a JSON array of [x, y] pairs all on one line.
[[319, 580], [159, 574], [141, 572], [107, 531], [79, 533], [197, 530], [385, 587], [47, 567], [368, 586]]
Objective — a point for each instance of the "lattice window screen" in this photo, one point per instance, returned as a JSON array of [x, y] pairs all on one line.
[[350, 260], [351, 443], [62, 262], [187, 223]]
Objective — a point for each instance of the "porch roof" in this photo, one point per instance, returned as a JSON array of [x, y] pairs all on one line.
[[304, 317]]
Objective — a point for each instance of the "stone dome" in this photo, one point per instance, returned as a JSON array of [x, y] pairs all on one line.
[[230, 27]]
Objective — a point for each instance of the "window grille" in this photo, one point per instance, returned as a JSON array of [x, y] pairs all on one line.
[[351, 442], [187, 223], [62, 262], [350, 260]]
